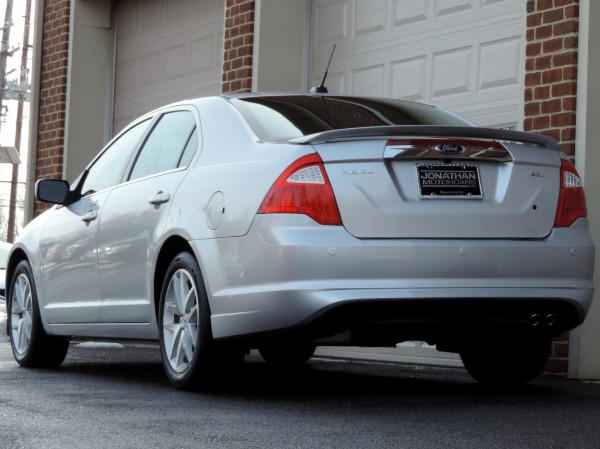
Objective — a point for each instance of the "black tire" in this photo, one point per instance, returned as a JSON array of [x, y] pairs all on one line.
[[31, 345], [507, 362], [287, 354], [190, 356]]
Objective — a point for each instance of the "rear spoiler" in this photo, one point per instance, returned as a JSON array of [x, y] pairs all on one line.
[[391, 132]]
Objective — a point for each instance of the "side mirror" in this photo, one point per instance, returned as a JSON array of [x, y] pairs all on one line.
[[53, 191]]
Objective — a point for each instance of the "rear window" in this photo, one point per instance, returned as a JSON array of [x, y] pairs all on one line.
[[281, 118]]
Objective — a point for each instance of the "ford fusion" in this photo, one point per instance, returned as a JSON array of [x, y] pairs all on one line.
[[285, 222]]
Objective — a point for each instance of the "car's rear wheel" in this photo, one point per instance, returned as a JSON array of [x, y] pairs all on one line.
[[505, 362], [185, 333], [290, 353], [31, 345]]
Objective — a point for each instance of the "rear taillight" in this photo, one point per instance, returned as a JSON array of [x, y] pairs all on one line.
[[571, 199], [303, 188]]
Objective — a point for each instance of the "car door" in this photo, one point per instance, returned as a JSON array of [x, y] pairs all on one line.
[[68, 244], [135, 215]]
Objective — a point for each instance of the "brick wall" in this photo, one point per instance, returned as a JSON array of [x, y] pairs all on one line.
[[53, 92], [551, 69], [550, 95], [239, 41]]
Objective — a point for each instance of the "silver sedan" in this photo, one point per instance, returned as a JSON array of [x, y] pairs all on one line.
[[284, 222]]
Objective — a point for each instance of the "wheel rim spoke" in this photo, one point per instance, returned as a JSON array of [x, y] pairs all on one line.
[[180, 321], [21, 311]]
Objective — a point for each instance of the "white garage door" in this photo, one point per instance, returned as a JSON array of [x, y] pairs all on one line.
[[166, 50], [461, 54], [464, 55]]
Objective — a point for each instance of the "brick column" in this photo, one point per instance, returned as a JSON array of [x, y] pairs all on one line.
[[239, 41], [551, 95], [551, 69], [53, 92]]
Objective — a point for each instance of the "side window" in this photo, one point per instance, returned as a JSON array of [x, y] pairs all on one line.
[[171, 144], [108, 167]]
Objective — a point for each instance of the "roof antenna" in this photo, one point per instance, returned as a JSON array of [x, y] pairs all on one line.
[[322, 89]]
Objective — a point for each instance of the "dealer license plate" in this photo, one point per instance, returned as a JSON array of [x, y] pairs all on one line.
[[447, 181]]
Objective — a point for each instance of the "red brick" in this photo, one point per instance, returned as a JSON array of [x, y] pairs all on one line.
[[552, 76], [543, 62], [553, 45], [568, 148], [542, 122], [544, 32], [563, 59], [552, 16], [532, 109], [570, 73], [534, 20], [566, 27], [544, 4], [554, 133], [533, 79], [567, 134], [571, 42], [528, 94], [564, 89], [245, 50], [572, 11], [533, 49], [551, 106], [562, 119], [569, 104]]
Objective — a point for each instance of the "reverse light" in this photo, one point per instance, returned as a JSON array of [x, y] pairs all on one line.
[[571, 199], [303, 188]]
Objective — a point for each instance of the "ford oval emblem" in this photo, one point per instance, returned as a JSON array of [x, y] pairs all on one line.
[[450, 148]]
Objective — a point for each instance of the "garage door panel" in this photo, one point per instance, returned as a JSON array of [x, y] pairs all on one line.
[[203, 7], [415, 69], [465, 59], [369, 16], [203, 55], [166, 51], [499, 63], [451, 72], [151, 15], [407, 21], [409, 12], [331, 20], [447, 7], [150, 69], [369, 80], [336, 81]]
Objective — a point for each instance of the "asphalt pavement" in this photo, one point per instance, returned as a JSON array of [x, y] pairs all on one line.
[[108, 395]]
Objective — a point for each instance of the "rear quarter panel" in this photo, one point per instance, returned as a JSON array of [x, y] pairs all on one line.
[[234, 169]]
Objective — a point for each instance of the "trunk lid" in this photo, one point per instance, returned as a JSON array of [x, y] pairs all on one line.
[[441, 182]]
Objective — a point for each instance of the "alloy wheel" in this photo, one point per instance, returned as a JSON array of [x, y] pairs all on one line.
[[21, 312], [180, 321]]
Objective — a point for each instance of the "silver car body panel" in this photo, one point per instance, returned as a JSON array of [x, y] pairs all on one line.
[[265, 273], [309, 268], [379, 198]]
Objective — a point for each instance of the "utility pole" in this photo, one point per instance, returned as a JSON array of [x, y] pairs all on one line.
[[4, 49], [23, 88]]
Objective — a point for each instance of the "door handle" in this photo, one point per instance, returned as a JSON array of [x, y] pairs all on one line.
[[159, 198], [90, 216]]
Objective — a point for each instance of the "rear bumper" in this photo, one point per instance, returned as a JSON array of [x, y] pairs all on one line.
[[291, 275]]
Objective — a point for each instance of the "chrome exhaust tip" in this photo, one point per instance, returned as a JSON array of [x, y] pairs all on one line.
[[535, 320], [550, 320]]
